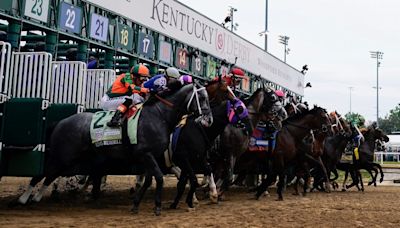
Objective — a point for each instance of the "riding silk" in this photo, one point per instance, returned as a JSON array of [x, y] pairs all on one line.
[[234, 115], [102, 135]]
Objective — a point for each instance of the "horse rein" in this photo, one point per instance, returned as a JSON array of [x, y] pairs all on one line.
[[164, 101]]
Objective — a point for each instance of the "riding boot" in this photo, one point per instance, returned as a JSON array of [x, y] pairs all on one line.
[[117, 119]]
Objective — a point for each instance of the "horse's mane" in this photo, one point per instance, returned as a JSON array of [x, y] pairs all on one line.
[[300, 115], [252, 97], [212, 83]]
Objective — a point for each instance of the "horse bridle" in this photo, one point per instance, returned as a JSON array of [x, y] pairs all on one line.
[[195, 95]]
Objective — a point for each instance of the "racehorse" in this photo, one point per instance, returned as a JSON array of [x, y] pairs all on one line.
[[190, 153], [334, 147], [288, 142], [72, 152], [366, 157], [263, 105]]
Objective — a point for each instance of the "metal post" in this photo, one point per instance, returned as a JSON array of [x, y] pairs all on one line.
[[266, 26], [350, 88], [285, 41], [377, 55], [231, 19], [377, 91]]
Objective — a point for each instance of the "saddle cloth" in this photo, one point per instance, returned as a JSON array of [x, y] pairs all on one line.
[[174, 137], [258, 141], [102, 135]]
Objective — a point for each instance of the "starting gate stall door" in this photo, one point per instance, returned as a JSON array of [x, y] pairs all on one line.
[[30, 75], [67, 82], [22, 133], [5, 60], [97, 84]]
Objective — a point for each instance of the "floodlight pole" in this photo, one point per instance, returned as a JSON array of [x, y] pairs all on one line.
[[285, 41], [377, 55]]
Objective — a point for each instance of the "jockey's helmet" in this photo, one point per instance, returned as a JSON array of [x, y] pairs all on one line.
[[280, 93], [237, 72], [140, 71], [172, 72], [186, 79]]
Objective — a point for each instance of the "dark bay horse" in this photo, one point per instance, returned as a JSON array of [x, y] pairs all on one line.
[[288, 142], [263, 105], [72, 152], [334, 147], [366, 157], [194, 141]]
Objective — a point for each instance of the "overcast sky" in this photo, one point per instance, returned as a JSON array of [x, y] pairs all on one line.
[[334, 38]]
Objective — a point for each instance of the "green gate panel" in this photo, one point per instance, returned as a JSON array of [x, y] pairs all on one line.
[[23, 122], [57, 112], [23, 163], [6, 5]]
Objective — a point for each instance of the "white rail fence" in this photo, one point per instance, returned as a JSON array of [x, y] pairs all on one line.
[[383, 156]]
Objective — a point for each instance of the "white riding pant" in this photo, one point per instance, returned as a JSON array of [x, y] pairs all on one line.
[[111, 104]]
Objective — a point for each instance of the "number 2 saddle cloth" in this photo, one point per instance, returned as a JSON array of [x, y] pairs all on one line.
[[102, 135]]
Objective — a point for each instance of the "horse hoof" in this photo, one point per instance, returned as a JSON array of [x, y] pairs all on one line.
[[369, 183], [135, 210], [279, 199], [295, 193], [157, 211], [214, 198], [190, 209], [173, 206], [343, 189]]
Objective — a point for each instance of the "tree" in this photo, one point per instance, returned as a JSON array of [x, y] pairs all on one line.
[[356, 119], [392, 121]]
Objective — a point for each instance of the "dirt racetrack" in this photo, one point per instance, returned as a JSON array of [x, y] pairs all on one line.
[[376, 207]]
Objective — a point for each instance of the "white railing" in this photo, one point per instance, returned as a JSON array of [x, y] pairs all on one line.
[[30, 75], [379, 156], [5, 61], [97, 84], [68, 78]]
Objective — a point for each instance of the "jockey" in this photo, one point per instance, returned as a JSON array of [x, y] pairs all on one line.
[[233, 78], [125, 91]]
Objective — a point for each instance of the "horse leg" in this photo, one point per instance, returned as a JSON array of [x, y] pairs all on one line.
[[360, 181], [38, 196], [380, 170], [213, 194], [193, 186], [139, 194], [346, 175], [96, 183], [281, 184], [265, 183], [373, 175], [154, 170], [180, 189], [23, 199], [327, 183]]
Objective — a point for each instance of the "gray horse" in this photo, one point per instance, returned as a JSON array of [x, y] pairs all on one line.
[[72, 152]]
